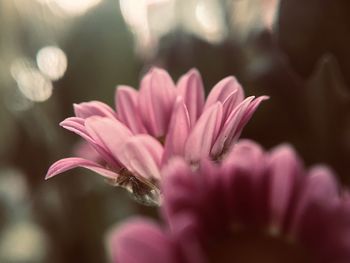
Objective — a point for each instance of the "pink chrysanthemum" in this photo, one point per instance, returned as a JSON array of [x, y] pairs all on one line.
[[160, 121], [255, 207]]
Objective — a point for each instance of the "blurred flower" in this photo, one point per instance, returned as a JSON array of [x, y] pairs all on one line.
[[158, 122], [265, 203]]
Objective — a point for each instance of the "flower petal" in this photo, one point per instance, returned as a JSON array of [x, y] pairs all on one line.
[[222, 90], [140, 240], [93, 108], [230, 132], [190, 87], [126, 101], [285, 172], [111, 134], [77, 125], [250, 111], [203, 134], [73, 162], [142, 155], [320, 187], [179, 129], [156, 99]]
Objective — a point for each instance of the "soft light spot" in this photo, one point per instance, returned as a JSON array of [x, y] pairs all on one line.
[[209, 19], [52, 61], [149, 20], [31, 82], [70, 7], [13, 186], [22, 242]]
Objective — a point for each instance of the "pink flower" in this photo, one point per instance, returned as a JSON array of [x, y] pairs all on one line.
[[256, 207], [156, 123]]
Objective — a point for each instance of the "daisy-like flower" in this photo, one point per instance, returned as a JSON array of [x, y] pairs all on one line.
[[255, 207], [156, 123]]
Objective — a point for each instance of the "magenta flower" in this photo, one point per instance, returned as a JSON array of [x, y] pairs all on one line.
[[255, 207], [152, 125]]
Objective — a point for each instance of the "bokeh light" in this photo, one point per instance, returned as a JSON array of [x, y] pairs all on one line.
[[52, 61], [31, 82], [23, 242], [70, 7], [210, 20]]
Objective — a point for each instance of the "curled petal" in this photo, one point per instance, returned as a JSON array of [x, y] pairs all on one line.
[[179, 129], [222, 90], [141, 155], [73, 162], [127, 108], [156, 99], [77, 125], [93, 108], [251, 110], [190, 88], [204, 133], [230, 130], [140, 240]]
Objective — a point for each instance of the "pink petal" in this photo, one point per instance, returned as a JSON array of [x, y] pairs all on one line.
[[140, 240], [70, 163], [179, 129], [111, 134], [77, 125], [230, 130], [251, 110], [286, 171], [127, 108], [320, 187], [247, 155], [85, 150], [93, 108], [222, 90], [204, 133], [141, 155], [156, 99], [190, 87]]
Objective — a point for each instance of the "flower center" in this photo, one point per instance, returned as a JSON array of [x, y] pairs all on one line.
[[246, 247], [143, 191]]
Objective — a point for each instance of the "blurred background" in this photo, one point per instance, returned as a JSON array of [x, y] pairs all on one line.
[[54, 53]]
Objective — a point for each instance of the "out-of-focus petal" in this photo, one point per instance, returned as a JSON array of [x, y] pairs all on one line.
[[74, 162], [320, 187], [204, 133], [141, 155], [190, 87], [179, 129], [93, 108], [222, 90], [247, 155], [156, 99], [126, 101], [140, 240], [285, 170]]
